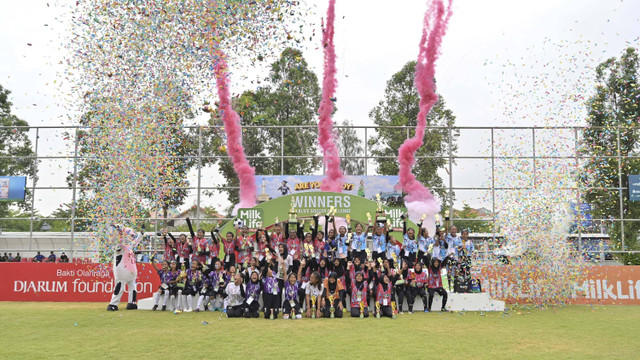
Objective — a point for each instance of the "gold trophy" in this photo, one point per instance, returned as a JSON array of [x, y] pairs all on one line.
[[349, 237], [267, 254], [308, 250], [332, 211], [293, 214], [361, 309], [381, 215], [369, 218], [393, 309], [313, 306], [380, 262], [348, 217], [369, 257], [332, 310], [275, 221], [377, 310]]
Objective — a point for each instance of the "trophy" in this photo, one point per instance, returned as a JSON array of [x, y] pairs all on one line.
[[308, 250], [393, 309], [259, 225], [313, 306], [293, 214], [369, 218], [332, 309], [332, 211], [361, 310], [381, 215], [267, 253], [422, 218], [380, 262], [369, 257], [377, 310], [349, 238], [275, 221]]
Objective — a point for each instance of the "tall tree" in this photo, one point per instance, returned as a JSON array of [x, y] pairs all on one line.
[[400, 107], [288, 97], [15, 148], [614, 112], [350, 145]]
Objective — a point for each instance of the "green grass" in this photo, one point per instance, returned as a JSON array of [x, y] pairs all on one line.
[[86, 330]]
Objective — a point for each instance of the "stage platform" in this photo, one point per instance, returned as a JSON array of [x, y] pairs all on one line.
[[455, 302]]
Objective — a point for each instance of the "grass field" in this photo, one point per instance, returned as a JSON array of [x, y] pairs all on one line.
[[86, 330]]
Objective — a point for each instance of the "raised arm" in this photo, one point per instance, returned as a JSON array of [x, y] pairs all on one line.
[[404, 224], [314, 230], [193, 234]]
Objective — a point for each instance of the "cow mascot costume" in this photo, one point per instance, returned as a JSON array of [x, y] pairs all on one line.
[[125, 270]]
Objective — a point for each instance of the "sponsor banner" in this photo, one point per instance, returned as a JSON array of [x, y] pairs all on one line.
[[607, 285], [251, 217], [12, 188], [273, 186], [68, 282]]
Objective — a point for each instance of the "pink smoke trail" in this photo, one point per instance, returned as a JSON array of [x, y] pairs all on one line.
[[419, 199], [334, 177], [233, 129]]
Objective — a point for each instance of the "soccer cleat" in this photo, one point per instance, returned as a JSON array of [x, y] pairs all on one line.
[[188, 310], [224, 311], [164, 307], [132, 306], [112, 308], [154, 307], [426, 310]]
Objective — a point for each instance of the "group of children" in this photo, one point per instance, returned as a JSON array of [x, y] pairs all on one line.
[[315, 273]]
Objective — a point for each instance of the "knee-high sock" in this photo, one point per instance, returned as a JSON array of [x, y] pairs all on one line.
[[166, 296]]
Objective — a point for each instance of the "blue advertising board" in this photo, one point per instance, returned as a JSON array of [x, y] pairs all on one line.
[[12, 188], [634, 187]]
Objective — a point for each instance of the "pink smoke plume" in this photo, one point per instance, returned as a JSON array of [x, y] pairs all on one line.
[[419, 199], [334, 177], [233, 129]]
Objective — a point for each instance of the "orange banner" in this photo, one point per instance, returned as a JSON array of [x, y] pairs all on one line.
[[598, 285]]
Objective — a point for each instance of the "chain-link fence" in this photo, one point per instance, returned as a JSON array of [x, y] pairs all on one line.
[[475, 164]]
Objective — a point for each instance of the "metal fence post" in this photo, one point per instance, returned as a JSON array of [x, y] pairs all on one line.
[[620, 195], [199, 176], [33, 188], [73, 199]]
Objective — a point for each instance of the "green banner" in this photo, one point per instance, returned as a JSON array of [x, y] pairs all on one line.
[[309, 204]]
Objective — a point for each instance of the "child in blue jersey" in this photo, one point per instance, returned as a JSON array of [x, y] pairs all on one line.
[[359, 243], [380, 239], [409, 243], [424, 241], [454, 244]]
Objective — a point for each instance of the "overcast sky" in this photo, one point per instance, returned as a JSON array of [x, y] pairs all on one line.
[[492, 56]]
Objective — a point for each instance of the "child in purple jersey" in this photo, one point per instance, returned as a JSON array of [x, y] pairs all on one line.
[[192, 286], [291, 304], [163, 289], [270, 293], [252, 296]]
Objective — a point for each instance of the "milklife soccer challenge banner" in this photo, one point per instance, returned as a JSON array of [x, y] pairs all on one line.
[[363, 186]]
